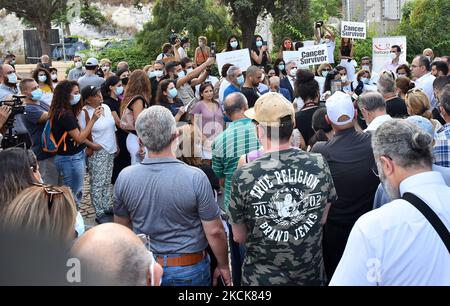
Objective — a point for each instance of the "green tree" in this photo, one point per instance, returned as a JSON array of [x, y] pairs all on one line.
[[190, 18], [425, 22], [39, 13]]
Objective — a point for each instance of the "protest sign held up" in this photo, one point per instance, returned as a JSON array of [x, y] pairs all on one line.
[[355, 30]]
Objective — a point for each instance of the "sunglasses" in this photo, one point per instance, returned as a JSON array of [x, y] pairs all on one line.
[[50, 191], [415, 90]]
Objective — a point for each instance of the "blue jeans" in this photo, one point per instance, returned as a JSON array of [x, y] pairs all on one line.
[[71, 169], [195, 275]]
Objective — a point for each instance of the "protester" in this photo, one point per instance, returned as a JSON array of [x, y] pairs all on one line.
[[208, 118], [395, 254], [202, 52], [137, 94], [325, 37], [78, 71], [36, 116], [260, 52], [91, 78], [43, 78], [249, 89], [70, 157], [395, 106], [167, 52], [286, 45], [280, 68], [438, 85], [178, 240], [9, 85], [423, 77], [289, 81], [44, 209], [44, 62], [346, 54], [403, 71], [278, 197], [439, 68], [323, 131], [346, 81], [156, 76], [429, 54], [441, 149], [417, 103], [167, 97], [355, 185], [105, 68], [321, 76], [403, 85], [362, 83], [366, 64], [124, 76], [224, 82], [102, 146], [54, 76], [232, 44], [274, 86], [373, 108], [236, 79], [394, 62], [132, 265], [184, 45]]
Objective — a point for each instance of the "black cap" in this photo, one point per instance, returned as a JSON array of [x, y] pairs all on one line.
[[89, 91]]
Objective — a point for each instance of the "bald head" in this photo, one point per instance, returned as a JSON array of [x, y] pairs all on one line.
[[112, 254], [235, 105]]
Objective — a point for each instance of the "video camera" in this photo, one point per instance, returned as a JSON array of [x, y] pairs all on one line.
[[10, 138], [173, 36], [213, 49]]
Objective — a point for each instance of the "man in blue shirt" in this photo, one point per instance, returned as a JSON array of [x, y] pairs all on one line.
[[274, 84], [236, 79]]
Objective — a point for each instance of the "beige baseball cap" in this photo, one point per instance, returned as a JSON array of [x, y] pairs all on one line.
[[270, 108]]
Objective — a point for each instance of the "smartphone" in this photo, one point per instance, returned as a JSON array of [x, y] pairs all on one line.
[[213, 49], [264, 43]]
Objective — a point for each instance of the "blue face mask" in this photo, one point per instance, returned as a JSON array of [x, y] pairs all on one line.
[[151, 74], [12, 78], [36, 94], [181, 74], [119, 90], [259, 43], [365, 80], [75, 100], [281, 67], [240, 80], [173, 92], [325, 73], [42, 78], [234, 44]]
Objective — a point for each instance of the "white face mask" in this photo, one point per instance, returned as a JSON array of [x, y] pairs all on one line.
[[293, 72], [158, 73], [42, 78], [393, 55], [344, 78], [78, 65], [365, 80], [189, 70], [365, 67], [54, 76]]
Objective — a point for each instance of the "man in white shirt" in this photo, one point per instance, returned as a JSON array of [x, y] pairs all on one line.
[[366, 64], [289, 81], [328, 39], [395, 60], [421, 70], [373, 108], [182, 49], [396, 244]]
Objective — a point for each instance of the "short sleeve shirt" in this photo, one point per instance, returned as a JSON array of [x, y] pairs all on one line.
[[65, 122], [33, 112], [281, 197]]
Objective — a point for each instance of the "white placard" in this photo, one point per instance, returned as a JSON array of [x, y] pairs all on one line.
[[308, 43], [355, 30], [307, 56], [381, 49], [239, 58]]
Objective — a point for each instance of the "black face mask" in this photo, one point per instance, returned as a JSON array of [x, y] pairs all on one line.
[[125, 81]]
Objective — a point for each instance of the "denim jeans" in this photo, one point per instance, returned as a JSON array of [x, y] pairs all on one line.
[[71, 169], [195, 275]]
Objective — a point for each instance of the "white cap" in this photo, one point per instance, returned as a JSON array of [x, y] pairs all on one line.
[[338, 105], [92, 61]]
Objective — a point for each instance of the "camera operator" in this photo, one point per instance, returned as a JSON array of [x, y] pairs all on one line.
[[36, 115], [8, 86], [325, 37]]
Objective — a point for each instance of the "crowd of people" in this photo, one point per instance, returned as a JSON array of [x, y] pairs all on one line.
[[333, 174]]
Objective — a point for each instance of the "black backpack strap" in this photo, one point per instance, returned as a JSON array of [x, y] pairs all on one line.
[[431, 216]]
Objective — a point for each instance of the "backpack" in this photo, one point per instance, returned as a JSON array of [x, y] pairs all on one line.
[[49, 144]]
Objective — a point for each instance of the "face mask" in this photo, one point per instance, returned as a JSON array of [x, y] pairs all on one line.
[[124, 81], [42, 78], [366, 67], [151, 74], [234, 44], [189, 70], [393, 55], [288, 45], [293, 72], [173, 92], [75, 100], [54, 77], [240, 80], [181, 74], [259, 43], [325, 73], [281, 67], [36, 94], [158, 73], [78, 65], [344, 78], [12, 78], [365, 80], [13, 62], [119, 90], [401, 75], [105, 68]]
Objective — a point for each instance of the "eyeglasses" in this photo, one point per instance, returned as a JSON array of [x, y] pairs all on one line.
[[51, 191], [326, 69], [375, 168], [415, 90]]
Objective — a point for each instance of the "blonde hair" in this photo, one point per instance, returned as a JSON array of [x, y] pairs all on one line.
[[147, 68], [418, 103], [362, 72], [30, 211], [322, 67], [204, 39], [105, 61]]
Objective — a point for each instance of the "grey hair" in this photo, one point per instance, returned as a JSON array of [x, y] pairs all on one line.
[[134, 262], [155, 127], [235, 102], [385, 85], [232, 70], [372, 101], [290, 63], [404, 143]]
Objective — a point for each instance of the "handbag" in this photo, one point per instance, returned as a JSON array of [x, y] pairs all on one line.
[[127, 120]]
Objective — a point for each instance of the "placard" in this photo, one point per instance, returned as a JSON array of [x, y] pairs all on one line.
[[307, 56], [239, 58], [381, 49], [355, 30]]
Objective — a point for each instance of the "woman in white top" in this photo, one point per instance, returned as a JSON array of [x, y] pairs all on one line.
[[321, 76], [102, 147]]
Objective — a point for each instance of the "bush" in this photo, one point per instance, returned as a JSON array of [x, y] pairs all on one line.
[[127, 51]]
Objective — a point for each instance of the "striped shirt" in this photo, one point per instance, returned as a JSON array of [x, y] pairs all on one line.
[[238, 139], [441, 149]]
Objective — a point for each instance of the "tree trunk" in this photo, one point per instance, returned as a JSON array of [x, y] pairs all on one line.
[[248, 26], [43, 33], [67, 29]]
